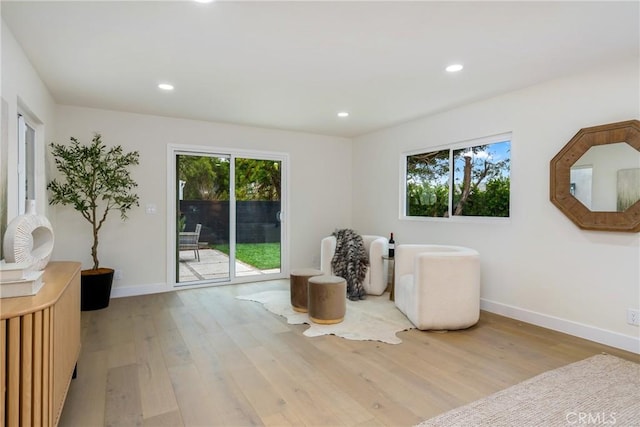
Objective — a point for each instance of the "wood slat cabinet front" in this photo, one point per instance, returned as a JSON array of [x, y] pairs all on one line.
[[40, 345]]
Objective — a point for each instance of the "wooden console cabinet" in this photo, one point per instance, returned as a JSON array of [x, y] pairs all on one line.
[[39, 348]]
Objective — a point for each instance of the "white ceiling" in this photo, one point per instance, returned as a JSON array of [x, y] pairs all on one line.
[[294, 65]]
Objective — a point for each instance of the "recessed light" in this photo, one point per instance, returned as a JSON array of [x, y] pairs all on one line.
[[165, 86], [203, 1], [343, 114], [454, 68]]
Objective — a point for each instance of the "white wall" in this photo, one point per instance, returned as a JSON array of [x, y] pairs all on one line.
[[319, 189], [24, 92], [538, 266]]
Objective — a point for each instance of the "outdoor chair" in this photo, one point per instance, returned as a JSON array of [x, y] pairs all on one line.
[[188, 241]]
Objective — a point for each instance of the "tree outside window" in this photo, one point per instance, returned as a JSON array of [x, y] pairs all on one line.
[[472, 180], [207, 178]]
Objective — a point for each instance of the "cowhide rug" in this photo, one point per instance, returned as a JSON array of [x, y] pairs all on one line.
[[375, 318]]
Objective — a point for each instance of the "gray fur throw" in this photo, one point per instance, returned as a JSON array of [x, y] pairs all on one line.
[[350, 262]]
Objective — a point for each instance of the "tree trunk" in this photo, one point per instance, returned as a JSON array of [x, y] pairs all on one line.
[[94, 249], [466, 186]]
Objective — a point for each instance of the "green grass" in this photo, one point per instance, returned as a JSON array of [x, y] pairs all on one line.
[[263, 256]]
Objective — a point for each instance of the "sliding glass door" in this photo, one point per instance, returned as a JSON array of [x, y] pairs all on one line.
[[228, 217], [258, 208], [202, 217]]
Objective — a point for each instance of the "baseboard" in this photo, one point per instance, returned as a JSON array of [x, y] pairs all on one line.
[[131, 291], [592, 333], [157, 288]]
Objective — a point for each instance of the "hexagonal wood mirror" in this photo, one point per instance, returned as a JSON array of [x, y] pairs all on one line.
[[595, 178]]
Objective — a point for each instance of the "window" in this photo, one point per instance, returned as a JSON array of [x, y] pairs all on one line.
[[26, 163], [470, 179]]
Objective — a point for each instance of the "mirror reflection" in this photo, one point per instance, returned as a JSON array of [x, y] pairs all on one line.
[[607, 177]]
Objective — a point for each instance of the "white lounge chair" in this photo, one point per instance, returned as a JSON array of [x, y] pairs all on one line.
[[437, 286], [375, 282]]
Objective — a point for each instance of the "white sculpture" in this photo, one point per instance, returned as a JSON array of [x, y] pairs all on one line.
[[29, 239]]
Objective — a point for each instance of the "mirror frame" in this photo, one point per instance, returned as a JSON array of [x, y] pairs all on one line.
[[560, 181]]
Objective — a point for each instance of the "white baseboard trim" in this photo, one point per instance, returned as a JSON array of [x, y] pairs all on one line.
[[131, 291], [592, 333], [157, 288]]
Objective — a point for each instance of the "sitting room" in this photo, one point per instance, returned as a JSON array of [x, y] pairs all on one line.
[[486, 154]]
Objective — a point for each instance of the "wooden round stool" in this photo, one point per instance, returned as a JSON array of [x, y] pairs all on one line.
[[327, 299], [298, 283]]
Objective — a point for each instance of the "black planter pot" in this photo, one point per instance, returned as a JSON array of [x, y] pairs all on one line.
[[95, 288]]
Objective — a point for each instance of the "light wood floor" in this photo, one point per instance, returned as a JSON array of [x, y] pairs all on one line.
[[201, 357]]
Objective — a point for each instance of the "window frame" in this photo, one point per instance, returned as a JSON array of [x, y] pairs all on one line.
[[174, 150], [470, 143], [27, 164]]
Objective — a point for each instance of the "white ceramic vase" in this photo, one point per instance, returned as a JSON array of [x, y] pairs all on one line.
[[29, 239]]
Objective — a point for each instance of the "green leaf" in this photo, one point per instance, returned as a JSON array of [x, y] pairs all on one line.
[[94, 180]]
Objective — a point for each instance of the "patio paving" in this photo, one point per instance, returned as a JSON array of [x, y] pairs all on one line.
[[213, 265]]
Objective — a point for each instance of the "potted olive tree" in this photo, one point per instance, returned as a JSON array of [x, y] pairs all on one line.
[[94, 180]]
